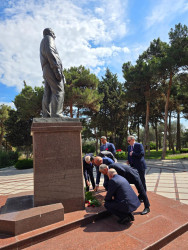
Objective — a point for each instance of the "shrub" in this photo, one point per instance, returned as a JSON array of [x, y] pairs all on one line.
[[8, 158], [184, 150], [88, 148], [121, 155], [152, 145], [24, 164]]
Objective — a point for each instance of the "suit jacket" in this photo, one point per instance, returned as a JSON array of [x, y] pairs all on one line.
[[108, 147], [137, 159], [107, 160], [107, 154], [87, 168], [120, 189], [130, 174]]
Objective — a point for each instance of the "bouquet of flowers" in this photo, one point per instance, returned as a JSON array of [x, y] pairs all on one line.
[[91, 200]]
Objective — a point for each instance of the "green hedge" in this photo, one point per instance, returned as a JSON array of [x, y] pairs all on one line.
[[152, 145], [184, 150], [24, 164], [88, 148], [8, 158], [121, 155]]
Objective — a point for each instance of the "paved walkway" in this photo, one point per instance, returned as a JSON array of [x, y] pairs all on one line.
[[168, 178]]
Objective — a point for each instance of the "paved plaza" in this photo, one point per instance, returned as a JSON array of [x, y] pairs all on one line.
[[168, 178]]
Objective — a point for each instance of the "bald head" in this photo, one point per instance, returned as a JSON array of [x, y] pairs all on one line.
[[111, 173], [97, 160]]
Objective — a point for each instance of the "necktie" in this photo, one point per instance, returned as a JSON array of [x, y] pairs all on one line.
[[130, 159]]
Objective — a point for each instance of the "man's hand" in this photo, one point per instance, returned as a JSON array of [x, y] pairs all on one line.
[[96, 188], [127, 162], [88, 183], [131, 153]]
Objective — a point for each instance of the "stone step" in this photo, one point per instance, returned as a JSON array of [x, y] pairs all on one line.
[[94, 229]]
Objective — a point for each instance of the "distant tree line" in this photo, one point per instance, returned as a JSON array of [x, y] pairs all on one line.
[[153, 95]]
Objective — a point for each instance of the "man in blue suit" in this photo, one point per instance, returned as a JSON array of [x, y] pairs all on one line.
[[97, 161], [131, 175], [120, 199], [107, 146], [88, 171], [136, 159]]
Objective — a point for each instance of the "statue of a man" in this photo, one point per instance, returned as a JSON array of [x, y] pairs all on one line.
[[53, 98]]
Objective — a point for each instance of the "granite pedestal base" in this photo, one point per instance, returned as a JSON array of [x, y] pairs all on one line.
[[18, 215], [58, 174]]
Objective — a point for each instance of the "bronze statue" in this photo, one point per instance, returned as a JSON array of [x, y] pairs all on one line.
[[53, 98]]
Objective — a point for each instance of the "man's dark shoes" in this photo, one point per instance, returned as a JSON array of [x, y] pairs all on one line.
[[145, 211], [124, 220]]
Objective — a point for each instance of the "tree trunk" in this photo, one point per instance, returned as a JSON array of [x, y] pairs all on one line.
[[96, 144], [156, 136], [178, 139], [146, 136], [1, 135], [166, 117], [78, 113], [171, 143], [71, 113], [169, 131], [27, 152], [1, 140], [148, 142], [114, 137]]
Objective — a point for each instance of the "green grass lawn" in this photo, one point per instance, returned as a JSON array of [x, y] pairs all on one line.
[[169, 155]]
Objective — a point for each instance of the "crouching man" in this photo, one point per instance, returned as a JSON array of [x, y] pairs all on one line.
[[120, 199], [132, 176]]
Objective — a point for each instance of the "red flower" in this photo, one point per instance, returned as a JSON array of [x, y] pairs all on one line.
[[106, 149], [118, 150]]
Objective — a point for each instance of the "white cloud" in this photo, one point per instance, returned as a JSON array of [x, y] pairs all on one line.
[[75, 29], [11, 104], [165, 10]]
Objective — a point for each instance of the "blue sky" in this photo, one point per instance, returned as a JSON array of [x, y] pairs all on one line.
[[94, 33]]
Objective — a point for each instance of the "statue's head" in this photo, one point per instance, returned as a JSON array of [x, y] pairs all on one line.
[[49, 32]]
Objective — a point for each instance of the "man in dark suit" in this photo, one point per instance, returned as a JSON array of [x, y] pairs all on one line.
[[136, 159], [120, 199], [88, 170], [107, 146], [97, 161], [131, 175]]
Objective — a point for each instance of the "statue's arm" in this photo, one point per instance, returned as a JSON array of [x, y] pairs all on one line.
[[53, 58]]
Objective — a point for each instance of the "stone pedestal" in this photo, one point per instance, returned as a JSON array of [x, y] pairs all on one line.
[[58, 173]]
